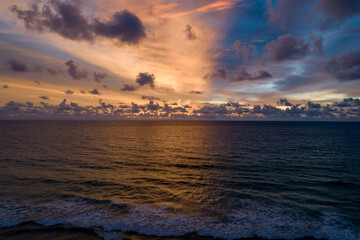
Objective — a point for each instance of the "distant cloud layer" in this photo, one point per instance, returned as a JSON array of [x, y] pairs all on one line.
[[66, 19], [348, 109]]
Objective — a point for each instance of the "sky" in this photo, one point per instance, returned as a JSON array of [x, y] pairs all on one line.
[[180, 59]]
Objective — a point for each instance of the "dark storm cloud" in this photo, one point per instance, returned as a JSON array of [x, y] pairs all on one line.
[[66, 19], [150, 98], [338, 11], [44, 97], [346, 67], [99, 77], [146, 78], [74, 72], [189, 33], [17, 65], [128, 88], [240, 75], [94, 92], [69, 92], [196, 92], [287, 47]]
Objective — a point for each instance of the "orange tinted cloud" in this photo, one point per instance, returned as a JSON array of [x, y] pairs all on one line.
[[211, 7]]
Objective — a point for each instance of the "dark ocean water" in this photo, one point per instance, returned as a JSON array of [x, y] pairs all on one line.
[[224, 179]]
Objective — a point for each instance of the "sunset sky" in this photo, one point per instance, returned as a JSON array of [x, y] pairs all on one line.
[[204, 59]]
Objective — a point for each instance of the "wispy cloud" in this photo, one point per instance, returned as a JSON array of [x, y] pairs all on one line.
[[211, 7]]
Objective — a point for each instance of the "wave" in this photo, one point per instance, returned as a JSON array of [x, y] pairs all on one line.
[[255, 218]]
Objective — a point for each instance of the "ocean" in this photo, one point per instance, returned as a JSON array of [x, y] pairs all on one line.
[[220, 179]]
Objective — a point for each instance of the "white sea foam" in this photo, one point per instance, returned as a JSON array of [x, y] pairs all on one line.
[[255, 218]]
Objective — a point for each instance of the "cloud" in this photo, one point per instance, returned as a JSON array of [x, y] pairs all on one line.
[[151, 106], [221, 72], [196, 92], [169, 109], [345, 67], [312, 105], [128, 88], [83, 91], [74, 71], [124, 26], [291, 82], [66, 19], [51, 71], [99, 77], [44, 97], [94, 92], [244, 49], [287, 13], [189, 33], [63, 18], [17, 65], [348, 102], [146, 78], [285, 102], [317, 43], [287, 47], [217, 6], [338, 11], [5, 86], [211, 7], [241, 74], [229, 110], [150, 98], [69, 92], [212, 109]]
